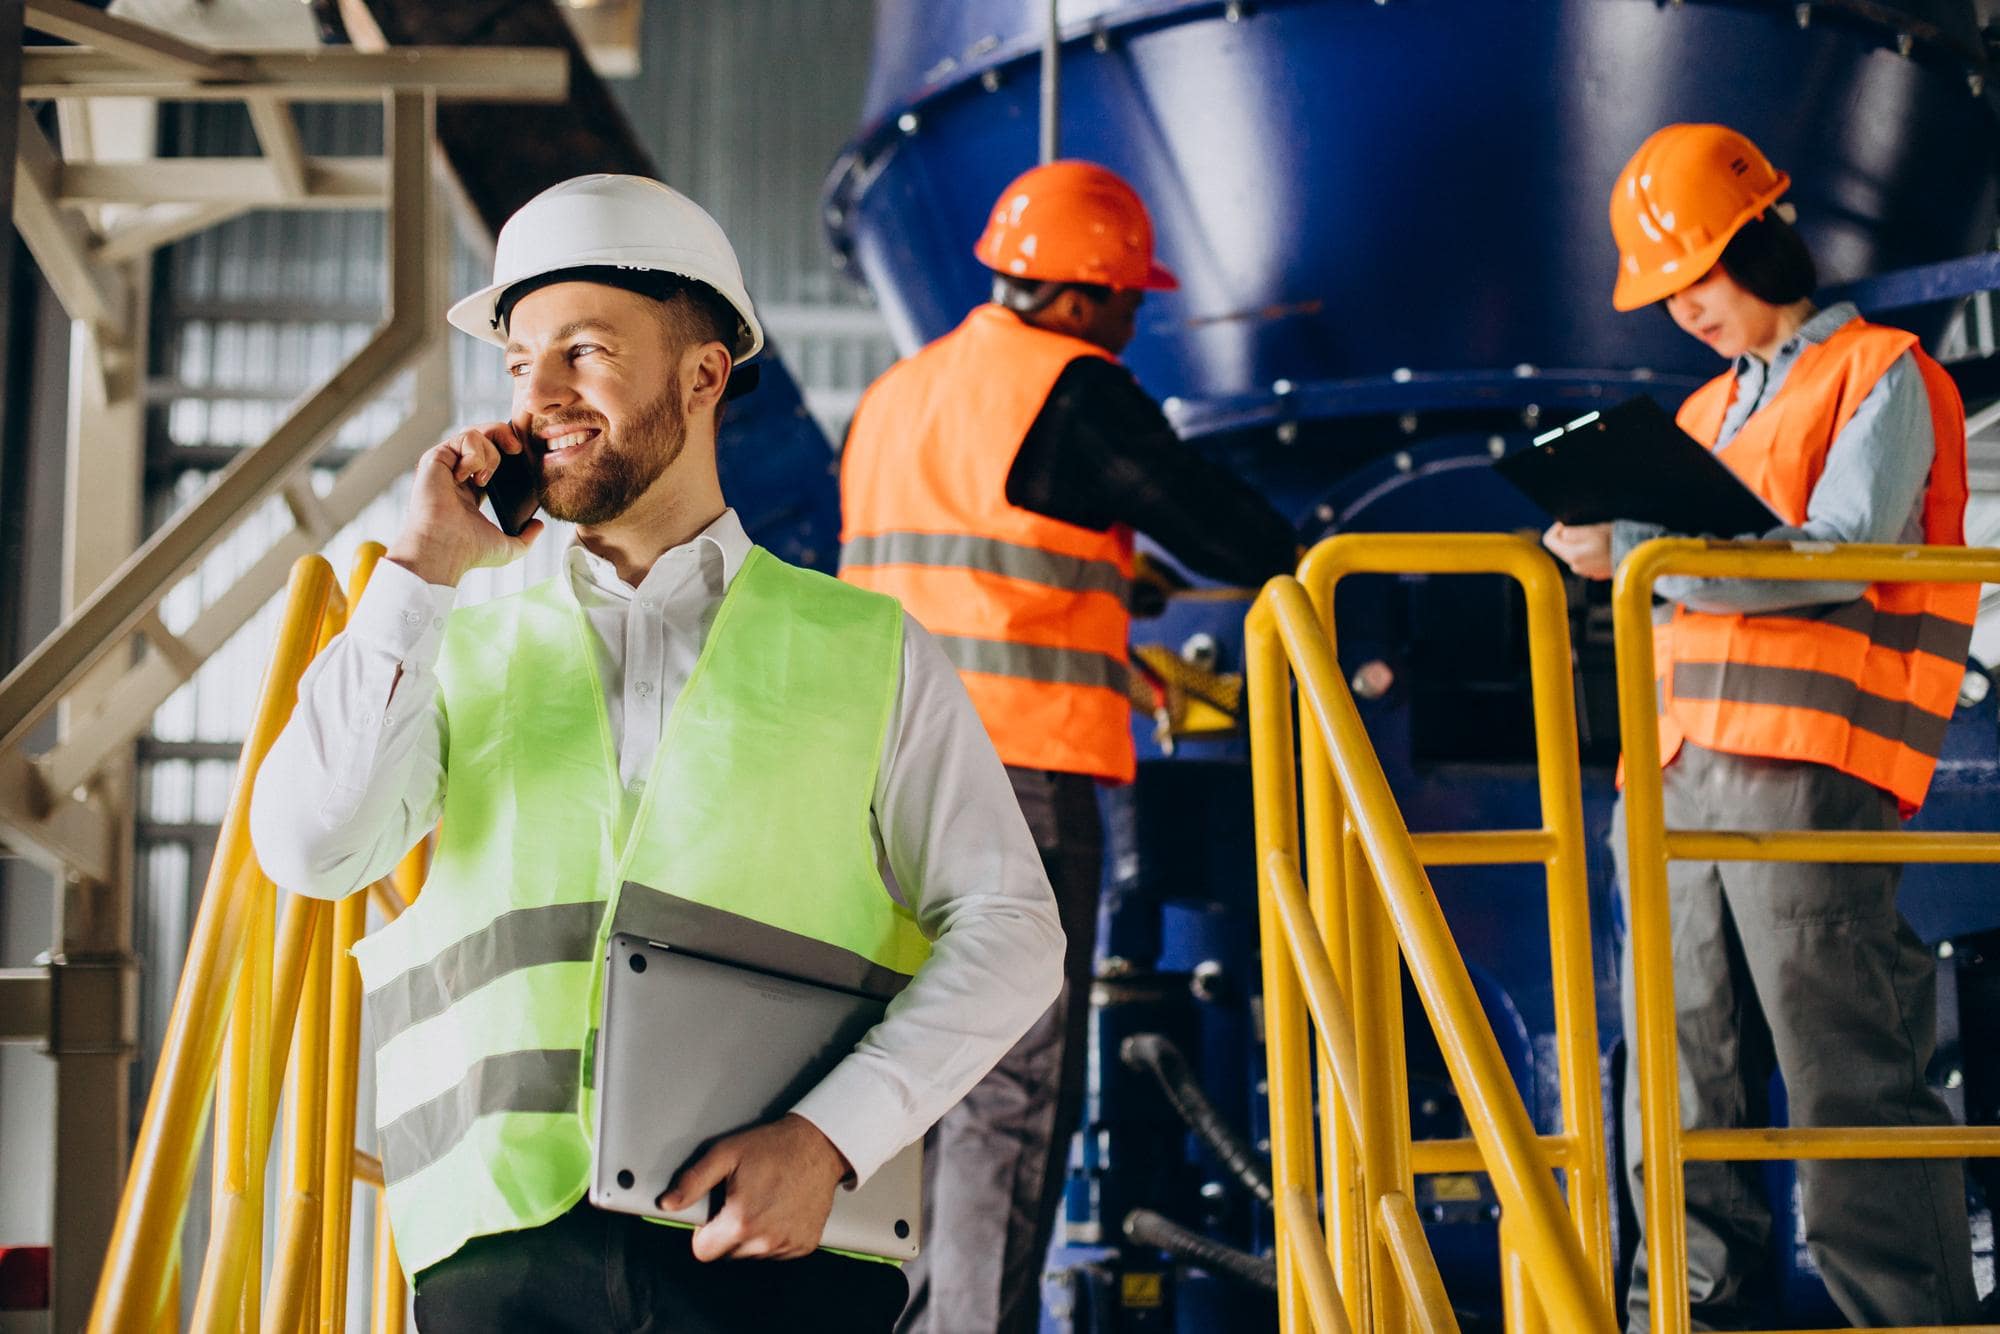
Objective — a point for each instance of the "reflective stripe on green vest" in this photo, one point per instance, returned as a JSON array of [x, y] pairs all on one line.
[[482, 998]]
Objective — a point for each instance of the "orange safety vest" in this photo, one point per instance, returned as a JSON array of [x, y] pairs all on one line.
[[1866, 687], [1030, 609]]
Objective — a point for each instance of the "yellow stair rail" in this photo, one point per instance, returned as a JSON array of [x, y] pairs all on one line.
[[1651, 845], [1332, 988], [265, 1013]]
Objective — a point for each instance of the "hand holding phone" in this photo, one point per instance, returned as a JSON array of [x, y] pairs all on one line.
[[514, 490], [444, 533]]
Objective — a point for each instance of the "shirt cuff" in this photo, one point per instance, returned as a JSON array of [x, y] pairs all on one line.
[[862, 1115], [1626, 534], [401, 615]]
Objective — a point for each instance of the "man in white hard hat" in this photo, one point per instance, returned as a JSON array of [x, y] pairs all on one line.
[[677, 713]]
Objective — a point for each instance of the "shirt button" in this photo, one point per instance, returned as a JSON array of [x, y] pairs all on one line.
[[644, 688], [636, 786], [413, 618], [437, 623]]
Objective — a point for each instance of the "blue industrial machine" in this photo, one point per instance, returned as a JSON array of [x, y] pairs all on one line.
[[1389, 219]]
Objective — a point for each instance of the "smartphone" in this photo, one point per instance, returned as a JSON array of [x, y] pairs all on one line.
[[515, 489]]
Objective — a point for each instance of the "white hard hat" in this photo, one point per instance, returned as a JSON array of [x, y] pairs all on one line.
[[625, 222]]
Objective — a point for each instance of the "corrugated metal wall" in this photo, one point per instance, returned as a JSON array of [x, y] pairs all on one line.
[[744, 104]]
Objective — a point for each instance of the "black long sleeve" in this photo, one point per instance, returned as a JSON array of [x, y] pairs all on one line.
[[1101, 453]]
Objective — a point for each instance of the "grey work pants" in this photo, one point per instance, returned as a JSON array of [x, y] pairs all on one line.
[[994, 1165], [1810, 967]]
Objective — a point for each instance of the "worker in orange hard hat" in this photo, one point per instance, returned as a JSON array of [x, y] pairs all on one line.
[[1788, 705], [993, 483]]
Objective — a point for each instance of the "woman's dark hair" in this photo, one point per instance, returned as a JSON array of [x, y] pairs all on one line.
[[1770, 261]]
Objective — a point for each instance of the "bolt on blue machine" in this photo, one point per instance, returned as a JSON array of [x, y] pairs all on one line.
[[1389, 221]]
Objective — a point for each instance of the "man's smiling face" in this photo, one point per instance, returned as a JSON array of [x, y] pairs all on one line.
[[596, 382]]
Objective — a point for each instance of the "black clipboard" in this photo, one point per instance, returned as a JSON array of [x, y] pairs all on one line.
[[1633, 462]]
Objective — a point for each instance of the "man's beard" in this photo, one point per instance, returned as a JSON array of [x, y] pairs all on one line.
[[621, 467]]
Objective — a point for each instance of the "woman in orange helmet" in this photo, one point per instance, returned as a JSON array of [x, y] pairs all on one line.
[[1790, 705]]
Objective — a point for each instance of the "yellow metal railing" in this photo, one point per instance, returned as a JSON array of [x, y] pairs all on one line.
[[1651, 845], [266, 1013], [1332, 984]]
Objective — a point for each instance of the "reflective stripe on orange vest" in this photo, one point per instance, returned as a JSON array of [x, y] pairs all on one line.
[[1867, 686], [1031, 610]]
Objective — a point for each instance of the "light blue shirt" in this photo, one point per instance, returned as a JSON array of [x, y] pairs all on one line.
[[1871, 489]]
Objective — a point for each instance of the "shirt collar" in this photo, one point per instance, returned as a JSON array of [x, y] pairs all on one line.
[[721, 548], [1819, 327]]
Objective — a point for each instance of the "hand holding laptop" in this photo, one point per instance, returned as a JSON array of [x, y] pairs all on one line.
[[778, 1182]]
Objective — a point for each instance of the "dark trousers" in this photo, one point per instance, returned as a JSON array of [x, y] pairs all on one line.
[[591, 1271], [994, 1165], [1808, 968]]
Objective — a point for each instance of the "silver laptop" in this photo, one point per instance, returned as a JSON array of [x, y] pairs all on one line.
[[693, 1047]]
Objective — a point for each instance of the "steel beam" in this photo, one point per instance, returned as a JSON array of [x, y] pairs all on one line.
[[482, 74], [278, 136], [162, 225], [1921, 284], [250, 182], [55, 831], [133, 43], [111, 615], [24, 1005], [128, 712], [93, 1002], [59, 240]]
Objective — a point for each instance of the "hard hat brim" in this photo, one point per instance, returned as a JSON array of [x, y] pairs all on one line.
[[476, 315], [1636, 291], [1159, 278]]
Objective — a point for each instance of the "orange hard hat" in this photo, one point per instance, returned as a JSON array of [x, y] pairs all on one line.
[[1073, 222], [1684, 194]]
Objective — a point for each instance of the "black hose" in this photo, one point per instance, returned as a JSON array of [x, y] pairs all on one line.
[[1143, 1227], [1151, 1051]]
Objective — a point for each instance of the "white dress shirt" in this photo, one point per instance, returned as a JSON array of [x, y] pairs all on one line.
[[358, 776]]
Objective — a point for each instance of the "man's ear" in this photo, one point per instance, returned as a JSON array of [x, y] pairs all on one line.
[[706, 368]]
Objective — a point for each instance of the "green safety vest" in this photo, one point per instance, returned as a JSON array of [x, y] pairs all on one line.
[[483, 997]]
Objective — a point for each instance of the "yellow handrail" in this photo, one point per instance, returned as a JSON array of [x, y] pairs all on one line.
[[1558, 846], [254, 994], [1667, 1146], [1365, 863], [145, 1236]]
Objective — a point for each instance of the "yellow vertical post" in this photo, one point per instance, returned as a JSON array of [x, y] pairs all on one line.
[[408, 877], [246, 1095], [1517, 1287], [257, 1116], [1275, 800], [297, 934], [169, 1319], [1340, 1184], [295, 1277], [1332, 885], [350, 919], [391, 1289], [1656, 1061], [1559, 775], [1385, 1109], [143, 1240], [218, 1297], [343, 1065]]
